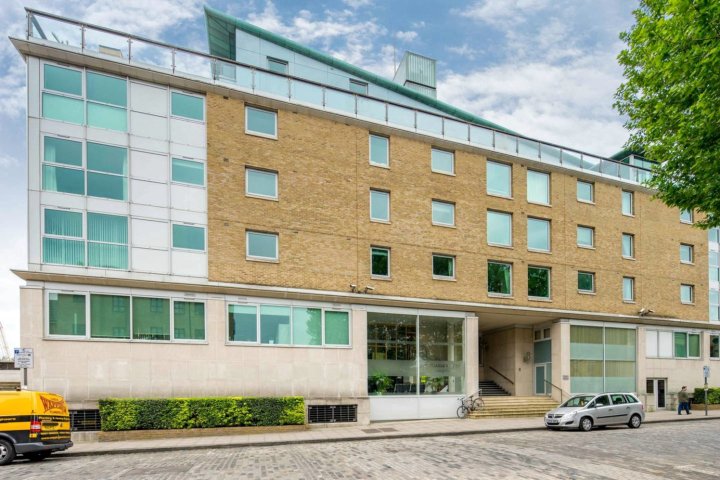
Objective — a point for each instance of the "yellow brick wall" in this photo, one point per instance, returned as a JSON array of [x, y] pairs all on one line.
[[322, 218]]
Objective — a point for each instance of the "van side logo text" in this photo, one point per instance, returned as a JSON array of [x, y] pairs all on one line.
[[51, 404]]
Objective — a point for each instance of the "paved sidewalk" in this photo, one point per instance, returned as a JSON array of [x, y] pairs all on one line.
[[375, 431]]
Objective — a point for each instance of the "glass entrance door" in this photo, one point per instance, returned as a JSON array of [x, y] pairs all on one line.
[[540, 380], [657, 387]]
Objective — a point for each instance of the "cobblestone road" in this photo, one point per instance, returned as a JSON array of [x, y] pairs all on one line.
[[682, 450]]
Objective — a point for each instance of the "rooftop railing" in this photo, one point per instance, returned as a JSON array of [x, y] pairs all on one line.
[[139, 51]]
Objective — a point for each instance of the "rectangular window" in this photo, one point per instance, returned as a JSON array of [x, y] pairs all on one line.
[[107, 241], [686, 253], [307, 326], [380, 262], [358, 87], [260, 122], [628, 203], [106, 102], [188, 171], [62, 166], [379, 206], [187, 106], [585, 191], [665, 344], [66, 314], [443, 267], [337, 328], [499, 278], [262, 246], [693, 345], [242, 323], [64, 109], [261, 183], [63, 242], [714, 346], [628, 245], [686, 216], [628, 286], [151, 318], [687, 294], [107, 167], [278, 66], [188, 237], [651, 343], [189, 320], [681, 345], [538, 187], [442, 161], [586, 282], [585, 236], [443, 213], [499, 228], [63, 80], [110, 316], [274, 325], [539, 282], [499, 179], [538, 234], [379, 150], [62, 151]]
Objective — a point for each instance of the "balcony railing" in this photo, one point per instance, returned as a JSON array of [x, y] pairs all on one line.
[[135, 50]]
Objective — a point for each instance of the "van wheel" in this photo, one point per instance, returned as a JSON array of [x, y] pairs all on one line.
[[7, 452], [586, 424], [635, 421], [37, 456]]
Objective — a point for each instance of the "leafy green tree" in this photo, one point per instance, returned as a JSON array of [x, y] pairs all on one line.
[[671, 97]]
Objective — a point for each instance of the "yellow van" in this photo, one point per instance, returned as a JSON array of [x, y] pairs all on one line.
[[32, 424]]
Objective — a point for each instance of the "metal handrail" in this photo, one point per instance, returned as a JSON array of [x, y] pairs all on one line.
[[515, 141], [562, 392], [503, 376]]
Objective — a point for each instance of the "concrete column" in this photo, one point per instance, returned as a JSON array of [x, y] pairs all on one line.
[[359, 346], [524, 367], [471, 355], [32, 326], [560, 334]]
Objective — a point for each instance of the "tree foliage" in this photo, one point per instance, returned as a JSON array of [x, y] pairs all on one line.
[[671, 96]]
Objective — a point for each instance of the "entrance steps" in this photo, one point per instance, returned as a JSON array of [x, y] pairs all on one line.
[[491, 389], [513, 407]]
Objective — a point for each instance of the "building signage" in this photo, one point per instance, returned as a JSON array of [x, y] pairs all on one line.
[[23, 358]]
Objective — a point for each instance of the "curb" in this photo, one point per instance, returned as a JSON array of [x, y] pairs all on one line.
[[123, 451]]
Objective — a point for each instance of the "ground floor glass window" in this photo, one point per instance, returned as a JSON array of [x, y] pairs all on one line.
[[602, 359]]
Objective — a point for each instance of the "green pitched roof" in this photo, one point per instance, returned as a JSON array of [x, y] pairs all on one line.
[[221, 40]]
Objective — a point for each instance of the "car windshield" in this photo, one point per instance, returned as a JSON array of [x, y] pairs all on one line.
[[579, 401]]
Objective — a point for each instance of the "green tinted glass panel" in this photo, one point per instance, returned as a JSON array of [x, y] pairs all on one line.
[[107, 158], [185, 236], [585, 191], [714, 346], [499, 278], [538, 187], [185, 171], [499, 177], [151, 318], [63, 80], [693, 345], [380, 262], [538, 234], [106, 255], [379, 150], [66, 314], [106, 186], [442, 161], [187, 106], [66, 180], [307, 326], [63, 252], [189, 320], [337, 328], [279, 66], [66, 224], [262, 245], [242, 323], [105, 116], [107, 228], [59, 150], [539, 282], [106, 89], [379, 205], [261, 121], [64, 109], [681, 347], [275, 325], [109, 316], [359, 87], [443, 266], [499, 228], [586, 282], [261, 183]]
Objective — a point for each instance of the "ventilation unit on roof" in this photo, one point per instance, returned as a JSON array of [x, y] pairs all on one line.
[[417, 73]]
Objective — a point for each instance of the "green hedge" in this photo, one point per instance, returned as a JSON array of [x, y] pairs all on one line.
[[713, 396], [166, 413]]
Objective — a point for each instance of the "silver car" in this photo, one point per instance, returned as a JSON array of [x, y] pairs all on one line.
[[597, 410]]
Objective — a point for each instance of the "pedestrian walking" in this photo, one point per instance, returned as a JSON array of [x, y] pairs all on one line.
[[683, 401]]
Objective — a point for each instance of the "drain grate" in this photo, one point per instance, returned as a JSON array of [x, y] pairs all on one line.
[[332, 413]]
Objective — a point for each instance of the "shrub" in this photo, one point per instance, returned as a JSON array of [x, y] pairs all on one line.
[[713, 395], [177, 413]]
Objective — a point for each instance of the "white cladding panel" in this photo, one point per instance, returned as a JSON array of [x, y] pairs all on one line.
[[187, 132], [150, 126], [188, 198], [150, 234], [149, 166], [110, 137], [151, 261], [149, 193], [189, 264], [148, 99]]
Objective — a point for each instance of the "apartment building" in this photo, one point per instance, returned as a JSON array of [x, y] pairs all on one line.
[[268, 220]]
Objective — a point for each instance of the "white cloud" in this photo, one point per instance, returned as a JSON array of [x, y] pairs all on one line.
[[464, 50], [357, 3], [408, 36], [503, 12]]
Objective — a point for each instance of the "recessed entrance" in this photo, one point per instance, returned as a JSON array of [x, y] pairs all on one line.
[[658, 388]]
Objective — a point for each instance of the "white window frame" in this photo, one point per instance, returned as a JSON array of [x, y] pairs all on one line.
[[432, 266], [632, 203], [83, 238], [387, 195], [493, 244], [262, 259], [278, 61], [535, 297], [375, 275], [632, 291], [692, 217], [249, 169], [692, 294], [187, 159], [98, 172], [248, 108], [189, 94], [592, 237], [443, 172], [549, 235], [432, 209], [594, 283], [710, 345], [192, 250], [592, 192], [126, 107], [387, 153], [632, 246], [82, 167], [548, 182], [691, 249], [510, 179], [487, 286]]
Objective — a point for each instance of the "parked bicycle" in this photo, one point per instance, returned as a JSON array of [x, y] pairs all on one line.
[[470, 403]]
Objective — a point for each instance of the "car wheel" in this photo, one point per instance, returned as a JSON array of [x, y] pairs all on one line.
[[586, 424], [37, 456], [7, 452], [635, 421], [462, 411]]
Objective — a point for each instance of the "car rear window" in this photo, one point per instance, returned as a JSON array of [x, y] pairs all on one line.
[[631, 398], [618, 399]]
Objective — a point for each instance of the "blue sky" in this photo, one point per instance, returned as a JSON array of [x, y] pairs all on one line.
[[544, 68]]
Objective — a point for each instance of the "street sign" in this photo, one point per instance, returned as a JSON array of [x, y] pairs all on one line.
[[23, 358], [706, 371]]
